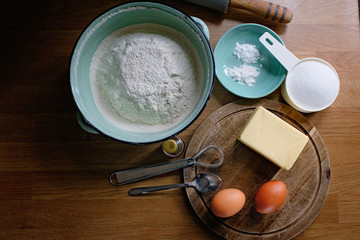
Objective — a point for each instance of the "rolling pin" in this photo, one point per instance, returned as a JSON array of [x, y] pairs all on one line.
[[268, 10]]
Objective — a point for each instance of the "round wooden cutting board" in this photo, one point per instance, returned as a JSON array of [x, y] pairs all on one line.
[[307, 181]]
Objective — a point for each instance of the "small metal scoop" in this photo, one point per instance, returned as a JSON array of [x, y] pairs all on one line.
[[203, 182], [131, 175]]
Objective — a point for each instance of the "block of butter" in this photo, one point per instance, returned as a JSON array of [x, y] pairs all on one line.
[[273, 138]]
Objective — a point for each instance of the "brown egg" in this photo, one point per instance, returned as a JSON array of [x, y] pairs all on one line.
[[227, 202], [270, 196]]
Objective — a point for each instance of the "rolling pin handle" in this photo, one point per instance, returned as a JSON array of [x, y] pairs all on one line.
[[268, 10]]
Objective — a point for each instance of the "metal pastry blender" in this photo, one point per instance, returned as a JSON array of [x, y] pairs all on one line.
[[131, 175]]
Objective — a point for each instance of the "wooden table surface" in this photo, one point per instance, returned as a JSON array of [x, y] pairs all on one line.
[[53, 175]]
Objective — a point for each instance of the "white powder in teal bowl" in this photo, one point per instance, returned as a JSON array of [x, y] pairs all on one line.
[[245, 73], [247, 53]]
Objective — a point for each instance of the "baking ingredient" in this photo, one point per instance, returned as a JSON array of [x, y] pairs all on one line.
[[227, 202], [247, 53], [170, 146], [273, 138], [146, 77], [245, 74], [270, 196], [312, 85]]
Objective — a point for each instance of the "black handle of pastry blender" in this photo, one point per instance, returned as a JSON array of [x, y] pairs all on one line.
[[132, 175]]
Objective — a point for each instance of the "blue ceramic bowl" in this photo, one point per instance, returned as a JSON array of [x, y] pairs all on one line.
[[272, 73], [117, 18]]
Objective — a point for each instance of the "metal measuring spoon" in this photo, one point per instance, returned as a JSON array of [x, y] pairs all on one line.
[[203, 182]]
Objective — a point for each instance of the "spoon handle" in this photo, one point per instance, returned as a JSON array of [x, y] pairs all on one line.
[[280, 52], [145, 190]]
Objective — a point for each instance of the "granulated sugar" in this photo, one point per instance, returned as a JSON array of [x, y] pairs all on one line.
[[146, 77], [312, 85]]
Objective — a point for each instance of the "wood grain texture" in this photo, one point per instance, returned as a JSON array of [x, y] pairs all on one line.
[[307, 181], [53, 175]]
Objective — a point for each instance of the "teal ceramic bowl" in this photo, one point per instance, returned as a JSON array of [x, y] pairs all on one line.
[[115, 19], [272, 73]]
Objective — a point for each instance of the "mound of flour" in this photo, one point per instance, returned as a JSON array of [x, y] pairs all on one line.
[[145, 75], [246, 73], [247, 53]]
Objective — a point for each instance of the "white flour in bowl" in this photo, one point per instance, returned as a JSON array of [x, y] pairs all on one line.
[[146, 77]]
